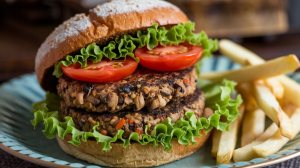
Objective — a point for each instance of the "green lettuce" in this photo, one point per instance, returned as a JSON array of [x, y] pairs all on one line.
[[184, 130], [123, 47], [217, 97]]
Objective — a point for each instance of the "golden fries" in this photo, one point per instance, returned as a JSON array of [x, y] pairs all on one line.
[[252, 126], [276, 87], [238, 53], [268, 103], [254, 118], [277, 141], [248, 98], [262, 97], [215, 143], [243, 56], [246, 153], [266, 148], [289, 108], [291, 90], [286, 126], [228, 139], [269, 69]]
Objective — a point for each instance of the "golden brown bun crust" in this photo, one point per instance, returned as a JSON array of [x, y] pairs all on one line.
[[82, 30], [135, 155]]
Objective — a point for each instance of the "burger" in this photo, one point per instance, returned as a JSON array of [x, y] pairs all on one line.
[[122, 83]]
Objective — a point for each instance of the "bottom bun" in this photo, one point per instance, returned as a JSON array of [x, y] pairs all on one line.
[[135, 155]]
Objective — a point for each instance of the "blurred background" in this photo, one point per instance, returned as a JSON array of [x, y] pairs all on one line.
[[270, 28]]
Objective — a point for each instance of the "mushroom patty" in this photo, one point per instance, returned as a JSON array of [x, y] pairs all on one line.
[[144, 87], [109, 123]]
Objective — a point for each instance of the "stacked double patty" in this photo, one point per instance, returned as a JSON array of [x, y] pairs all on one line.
[[146, 97]]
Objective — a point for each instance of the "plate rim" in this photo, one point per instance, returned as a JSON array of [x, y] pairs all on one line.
[[40, 162], [274, 161], [27, 158]]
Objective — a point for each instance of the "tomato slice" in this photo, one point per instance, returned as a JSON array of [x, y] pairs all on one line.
[[103, 71], [169, 58]]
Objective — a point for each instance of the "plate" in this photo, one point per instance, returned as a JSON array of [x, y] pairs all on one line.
[[18, 137]]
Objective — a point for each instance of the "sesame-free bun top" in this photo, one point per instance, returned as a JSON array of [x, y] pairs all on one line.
[[104, 23]]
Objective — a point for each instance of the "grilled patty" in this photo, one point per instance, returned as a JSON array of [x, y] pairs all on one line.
[[144, 87], [135, 121]]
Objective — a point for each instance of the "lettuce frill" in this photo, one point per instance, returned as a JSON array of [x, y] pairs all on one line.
[[122, 47], [185, 130]]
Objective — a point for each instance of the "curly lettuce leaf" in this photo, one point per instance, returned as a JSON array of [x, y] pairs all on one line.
[[184, 130], [123, 47], [217, 97]]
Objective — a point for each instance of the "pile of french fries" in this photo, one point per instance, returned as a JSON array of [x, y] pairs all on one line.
[[266, 91]]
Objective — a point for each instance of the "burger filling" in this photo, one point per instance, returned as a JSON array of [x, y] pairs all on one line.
[[129, 121], [144, 87], [180, 120]]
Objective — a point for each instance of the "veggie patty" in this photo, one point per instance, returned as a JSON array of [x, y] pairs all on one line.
[[144, 87], [129, 121]]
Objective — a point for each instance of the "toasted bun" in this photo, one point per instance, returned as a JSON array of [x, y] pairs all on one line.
[[104, 23], [135, 155]]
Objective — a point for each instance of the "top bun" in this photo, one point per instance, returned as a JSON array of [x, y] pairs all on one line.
[[104, 23]]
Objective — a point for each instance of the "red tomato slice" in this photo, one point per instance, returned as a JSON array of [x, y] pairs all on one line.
[[169, 58], [103, 71]]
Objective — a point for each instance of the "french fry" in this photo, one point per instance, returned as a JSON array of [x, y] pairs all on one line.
[[215, 143], [281, 102], [269, 69], [253, 125], [249, 100], [268, 103], [228, 139], [276, 87], [289, 108], [238, 54], [277, 141], [246, 153], [244, 57], [291, 90], [268, 146], [254, 118], [286, 126]]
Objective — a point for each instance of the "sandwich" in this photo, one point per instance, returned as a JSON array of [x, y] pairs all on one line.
[[122, 83]]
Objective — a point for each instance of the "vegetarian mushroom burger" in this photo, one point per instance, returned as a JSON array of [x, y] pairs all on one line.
[[121, 85]]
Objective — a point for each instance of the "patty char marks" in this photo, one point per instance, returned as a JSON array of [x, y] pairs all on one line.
[[144, 87], [135, 121]]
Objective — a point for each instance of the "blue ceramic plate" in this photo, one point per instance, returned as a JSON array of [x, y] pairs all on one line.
[[18, 137]]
